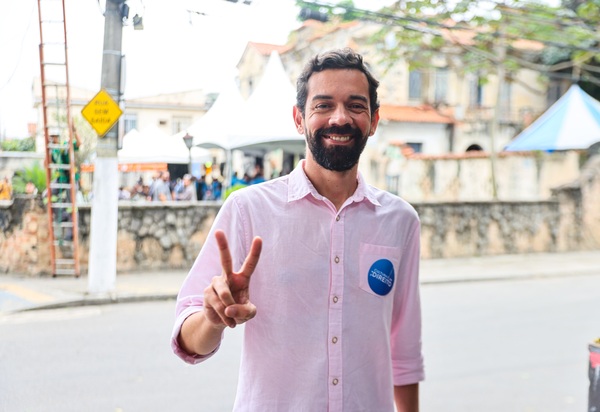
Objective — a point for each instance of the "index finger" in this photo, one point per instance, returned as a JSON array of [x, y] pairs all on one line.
[[252, 258], [226, 262]]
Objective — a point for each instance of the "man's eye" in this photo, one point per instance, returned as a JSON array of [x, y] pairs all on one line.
[[321, 106]]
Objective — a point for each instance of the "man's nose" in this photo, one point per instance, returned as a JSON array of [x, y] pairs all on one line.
[[340, 117]]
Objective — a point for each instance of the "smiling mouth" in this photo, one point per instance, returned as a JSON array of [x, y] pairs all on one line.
[[338, 138]]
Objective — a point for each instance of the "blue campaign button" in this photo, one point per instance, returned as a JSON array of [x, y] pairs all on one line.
[[381, 277]]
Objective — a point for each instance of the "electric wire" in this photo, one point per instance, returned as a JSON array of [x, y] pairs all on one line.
[[14, 71]]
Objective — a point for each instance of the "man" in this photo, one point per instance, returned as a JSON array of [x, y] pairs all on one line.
[[162, 188], [332, 306], [189, 189]]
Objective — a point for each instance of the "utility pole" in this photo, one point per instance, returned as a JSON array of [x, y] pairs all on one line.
[[103, 232], [494, 131]]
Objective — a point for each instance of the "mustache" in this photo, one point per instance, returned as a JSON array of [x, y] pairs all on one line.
[[345, 129]]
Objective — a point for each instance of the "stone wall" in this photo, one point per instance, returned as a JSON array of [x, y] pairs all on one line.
[[24, 245], [154, 236], [487, 228], [170, 236], [166, 236]]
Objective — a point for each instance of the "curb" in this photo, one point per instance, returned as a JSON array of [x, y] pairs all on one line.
[[94, 301]]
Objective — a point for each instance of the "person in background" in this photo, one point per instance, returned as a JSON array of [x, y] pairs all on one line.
[[156, 177], [320, 267], [200, 187], [162, 188], [189, 189], [216, 186], [239, 184], [30, 188], [124, 193], [259, 175], [5, 189]]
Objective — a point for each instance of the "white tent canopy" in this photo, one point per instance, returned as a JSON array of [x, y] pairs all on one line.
[[154, 146], [267, 119], [214, 129], [262, 123]]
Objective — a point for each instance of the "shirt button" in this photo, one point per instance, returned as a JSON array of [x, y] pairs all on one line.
[[334, 339], [337, 259], [337, 218], [335, 381], [335, 299]]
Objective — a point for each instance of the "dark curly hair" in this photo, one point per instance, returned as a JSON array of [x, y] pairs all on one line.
[[335, 59]]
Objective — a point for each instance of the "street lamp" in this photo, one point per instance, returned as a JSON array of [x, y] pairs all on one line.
[[189, 142]]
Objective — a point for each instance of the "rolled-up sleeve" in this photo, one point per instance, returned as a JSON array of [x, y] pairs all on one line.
[[407, 358], [207, 265]]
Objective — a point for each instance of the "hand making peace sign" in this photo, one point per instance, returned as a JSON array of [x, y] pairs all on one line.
[[227, 298]]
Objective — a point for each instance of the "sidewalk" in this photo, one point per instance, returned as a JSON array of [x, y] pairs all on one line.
[[19, 293]]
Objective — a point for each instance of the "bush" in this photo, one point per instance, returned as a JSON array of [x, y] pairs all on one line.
[[35, 174], [18, 145]]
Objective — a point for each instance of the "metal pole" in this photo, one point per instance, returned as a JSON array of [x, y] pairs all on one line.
[[103, 232]]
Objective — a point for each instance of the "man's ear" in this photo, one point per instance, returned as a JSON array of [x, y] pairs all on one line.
[[374, 122], [298, 120]]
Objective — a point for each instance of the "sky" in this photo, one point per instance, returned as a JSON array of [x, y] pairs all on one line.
[[178, 49]]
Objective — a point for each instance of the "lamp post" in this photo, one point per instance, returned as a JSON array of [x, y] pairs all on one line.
[[189, 141]]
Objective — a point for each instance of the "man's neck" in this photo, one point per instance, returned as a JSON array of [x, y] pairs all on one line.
[[335, 186]]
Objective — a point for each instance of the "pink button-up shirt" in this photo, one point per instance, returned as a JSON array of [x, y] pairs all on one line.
[[338, 320]]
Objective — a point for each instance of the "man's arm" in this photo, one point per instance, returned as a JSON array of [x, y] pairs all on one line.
[[226, 302], [198, 335], [407, 398]]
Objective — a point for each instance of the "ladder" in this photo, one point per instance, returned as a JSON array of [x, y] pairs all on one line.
[[61, 140]]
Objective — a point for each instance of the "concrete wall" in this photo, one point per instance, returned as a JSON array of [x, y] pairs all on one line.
[[468, 177], [13, 161]]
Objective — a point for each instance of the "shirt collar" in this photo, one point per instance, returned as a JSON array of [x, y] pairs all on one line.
[[300, 186]]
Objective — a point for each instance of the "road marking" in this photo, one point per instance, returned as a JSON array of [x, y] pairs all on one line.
[[26, 294]]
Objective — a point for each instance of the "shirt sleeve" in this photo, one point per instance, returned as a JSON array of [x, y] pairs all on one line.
[[407, 358], [206, 266]]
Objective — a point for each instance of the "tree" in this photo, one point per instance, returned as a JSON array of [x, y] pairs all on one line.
[[561, 41], [495, 38]]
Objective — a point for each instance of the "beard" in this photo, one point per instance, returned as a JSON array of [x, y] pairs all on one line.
[[337, 158]]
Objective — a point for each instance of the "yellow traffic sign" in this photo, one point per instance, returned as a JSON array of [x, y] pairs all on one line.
[[102, 112]]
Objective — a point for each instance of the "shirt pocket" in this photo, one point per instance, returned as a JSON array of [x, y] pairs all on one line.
[[378, 268]]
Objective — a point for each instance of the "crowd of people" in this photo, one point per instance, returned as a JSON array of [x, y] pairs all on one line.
[[209, 186], [162, 188]]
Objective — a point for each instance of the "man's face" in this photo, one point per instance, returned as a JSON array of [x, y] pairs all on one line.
[[337, 120]]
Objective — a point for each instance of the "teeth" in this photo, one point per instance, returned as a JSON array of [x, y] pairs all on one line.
[[340, 138]]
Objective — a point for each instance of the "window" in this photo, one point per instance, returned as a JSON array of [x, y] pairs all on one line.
[[415, 79], [441, 85], [417, 147], [475, 92], [505, 101], [180, 123], [130, 121], [554, 93]]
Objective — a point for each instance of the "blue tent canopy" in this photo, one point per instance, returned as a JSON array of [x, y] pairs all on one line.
[[572, 122]]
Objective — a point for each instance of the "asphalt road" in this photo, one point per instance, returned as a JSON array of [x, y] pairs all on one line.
[[495, 346]]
